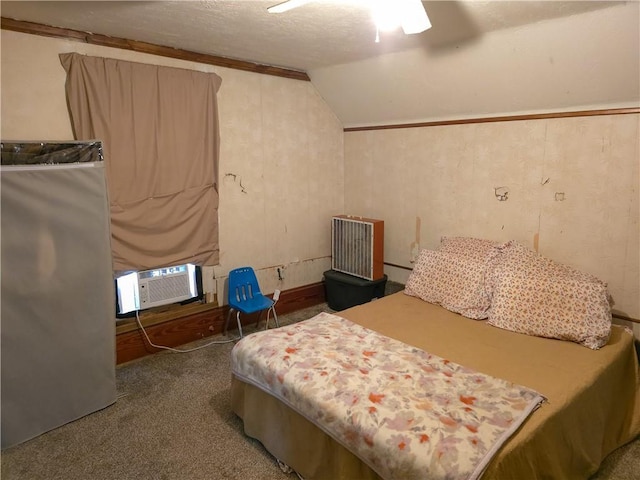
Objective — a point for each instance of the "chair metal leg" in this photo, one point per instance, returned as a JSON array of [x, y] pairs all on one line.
[[239, 323], [275, 317]]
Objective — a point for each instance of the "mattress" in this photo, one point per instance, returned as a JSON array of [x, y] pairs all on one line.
[[592, 396]]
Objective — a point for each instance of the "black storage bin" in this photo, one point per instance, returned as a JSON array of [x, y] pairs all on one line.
[[344, 291]]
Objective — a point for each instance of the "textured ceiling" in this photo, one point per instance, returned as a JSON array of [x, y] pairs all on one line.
[[319, 34]]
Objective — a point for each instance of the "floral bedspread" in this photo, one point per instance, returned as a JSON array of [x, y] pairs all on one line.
[[406, 413]]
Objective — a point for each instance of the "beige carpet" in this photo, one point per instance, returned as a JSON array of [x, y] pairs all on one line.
[[173, 421]]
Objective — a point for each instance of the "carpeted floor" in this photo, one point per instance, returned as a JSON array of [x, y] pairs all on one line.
[[173, 421]]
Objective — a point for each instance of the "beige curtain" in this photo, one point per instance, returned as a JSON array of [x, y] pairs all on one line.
[[159, 129]]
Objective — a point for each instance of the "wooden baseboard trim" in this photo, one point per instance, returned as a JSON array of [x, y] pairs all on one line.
[[193, 323]]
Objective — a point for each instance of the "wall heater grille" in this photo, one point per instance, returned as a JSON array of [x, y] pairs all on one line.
[[357, 246]]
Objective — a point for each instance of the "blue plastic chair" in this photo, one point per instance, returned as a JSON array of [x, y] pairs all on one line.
[[245, 297]]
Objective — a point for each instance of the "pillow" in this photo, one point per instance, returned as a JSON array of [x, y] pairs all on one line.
[[476, 248], [453, 281], [536, 296]]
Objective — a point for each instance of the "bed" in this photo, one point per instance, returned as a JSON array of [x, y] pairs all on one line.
[[591, 399]]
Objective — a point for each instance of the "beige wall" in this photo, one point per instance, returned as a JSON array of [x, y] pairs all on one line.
[[572, 183], [281, 158]]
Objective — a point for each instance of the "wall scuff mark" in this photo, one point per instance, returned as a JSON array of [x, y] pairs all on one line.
[[501, 193], [559, 197], [237, 178]]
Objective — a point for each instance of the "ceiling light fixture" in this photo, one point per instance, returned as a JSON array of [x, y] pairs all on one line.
[[387, 14], [414, 17], [286, 6], [409, 14]]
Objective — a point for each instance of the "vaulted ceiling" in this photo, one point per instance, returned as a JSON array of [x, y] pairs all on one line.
[[480, 57]]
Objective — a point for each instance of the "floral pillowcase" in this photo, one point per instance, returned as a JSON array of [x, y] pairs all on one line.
[[515, 288], [452, 281], [477, 249], [536, 296]]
